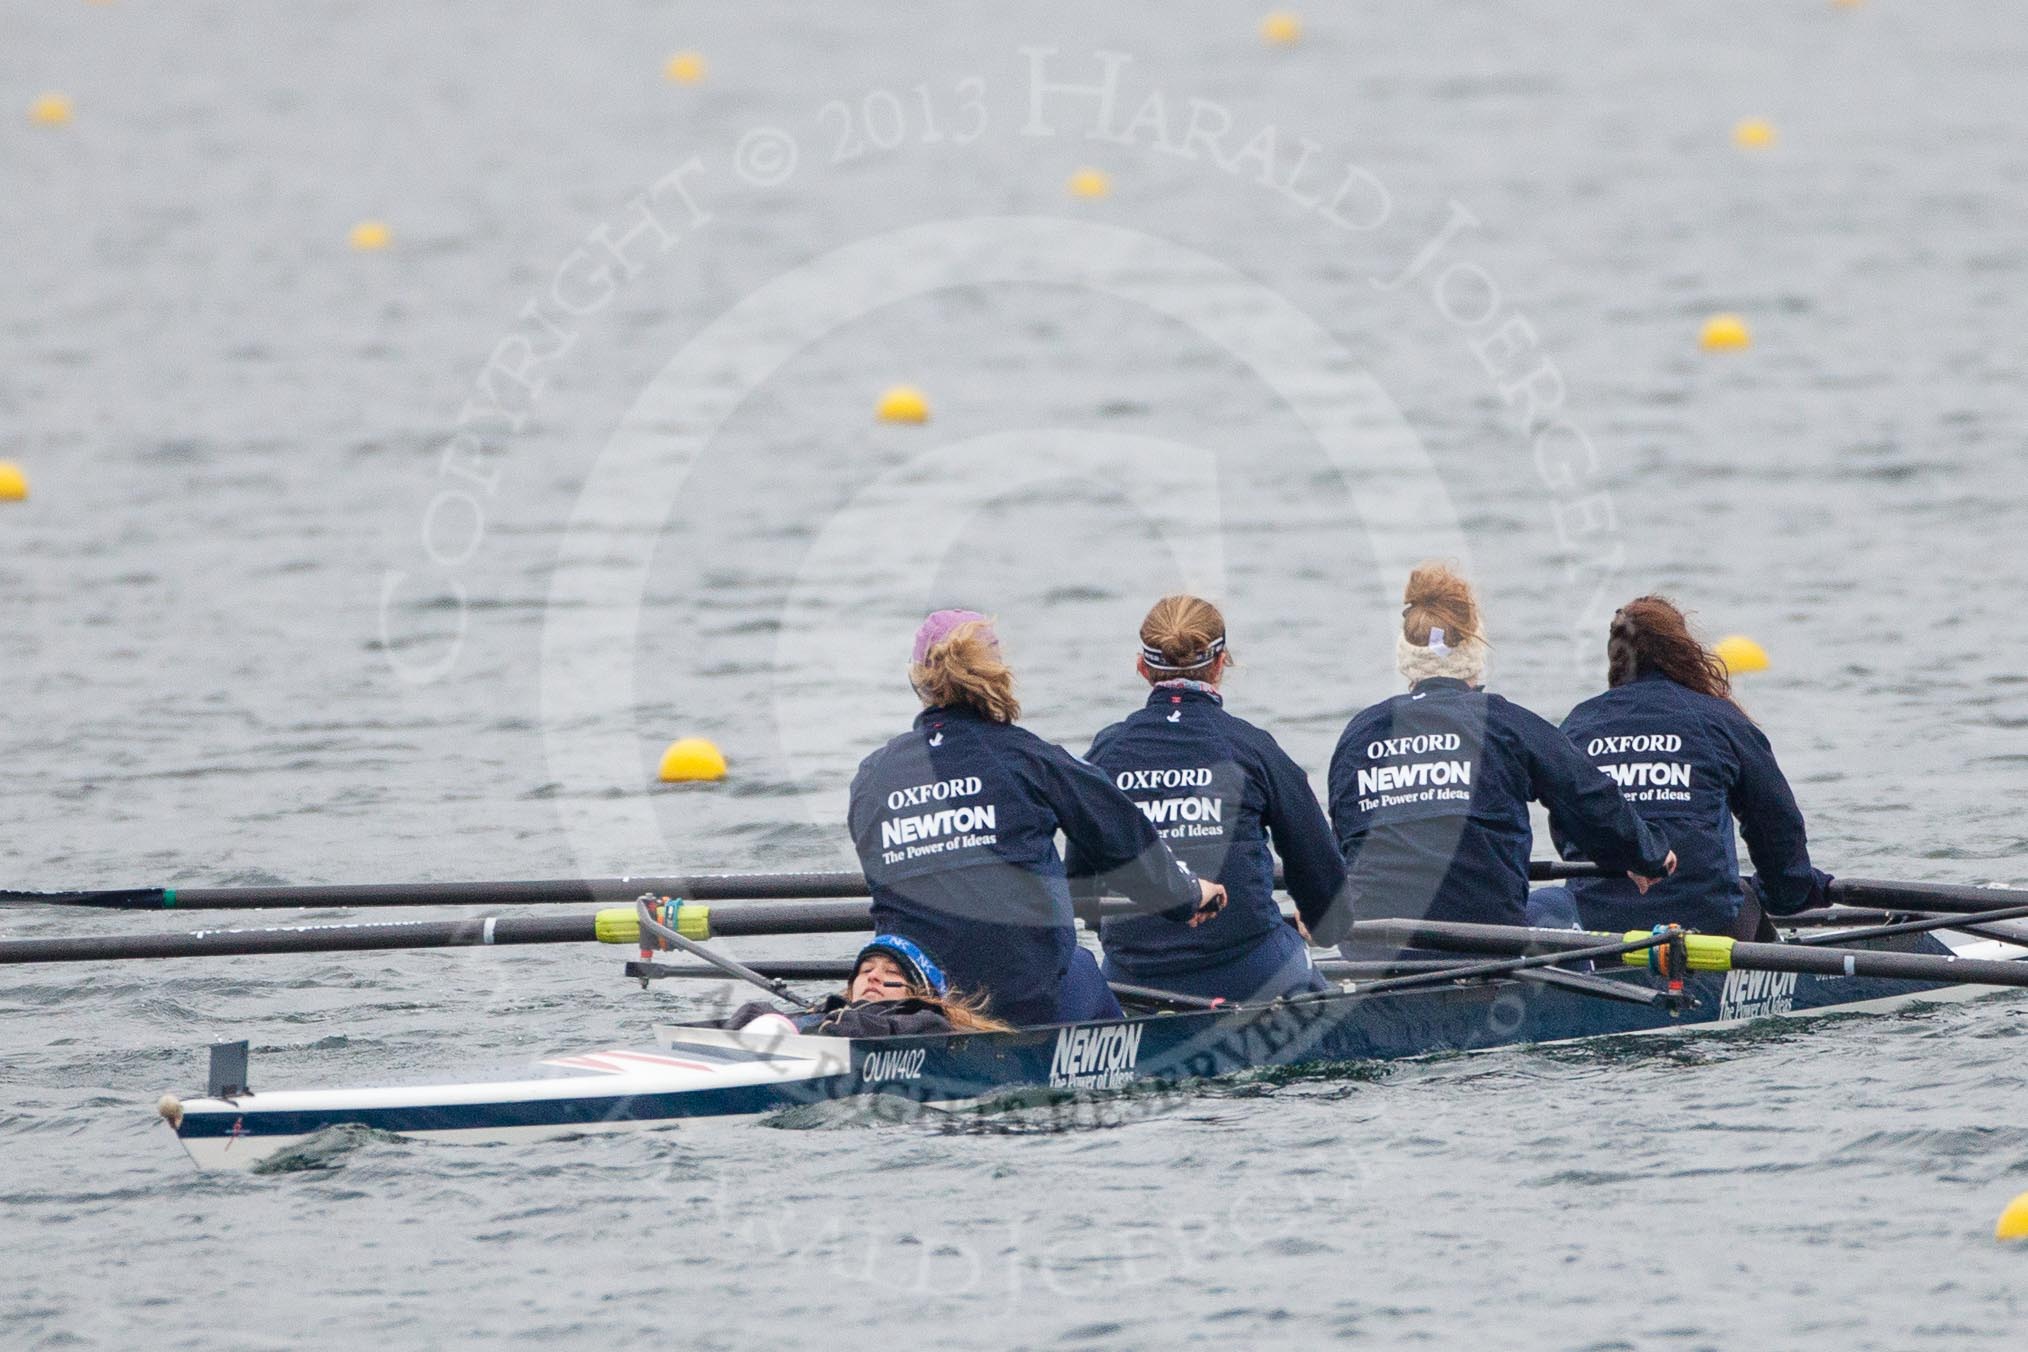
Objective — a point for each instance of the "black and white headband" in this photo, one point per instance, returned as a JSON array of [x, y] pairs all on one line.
[[1157, 662]]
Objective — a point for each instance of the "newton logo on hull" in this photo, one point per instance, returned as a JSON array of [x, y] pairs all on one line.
[[1095, 1058], [1756, 995]]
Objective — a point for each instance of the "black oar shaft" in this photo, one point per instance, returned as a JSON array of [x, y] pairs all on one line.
[[733, 920], [1929, 967], [473, 933], [1922, 896], [1961, 921], [810, 917], [782, 969], [1875, 963], [551, 892], [1155, 995], [1594, 946], [1454, 937]]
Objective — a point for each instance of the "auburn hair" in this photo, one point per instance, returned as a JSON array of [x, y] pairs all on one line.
[[1650, 634], [966, 668], [1181, 629], [1438, 597]]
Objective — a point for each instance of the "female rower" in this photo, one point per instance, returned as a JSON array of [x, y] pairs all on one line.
[[1430, 790], [1690, 761], [1218, 789], [896, 990], [955, 822]]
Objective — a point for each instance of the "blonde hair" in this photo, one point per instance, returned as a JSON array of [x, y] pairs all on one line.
[[1438, 597], [966, 668], [967, 1013], [1182, 630]]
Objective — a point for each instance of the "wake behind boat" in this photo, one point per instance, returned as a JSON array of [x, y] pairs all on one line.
[[691, 1075]]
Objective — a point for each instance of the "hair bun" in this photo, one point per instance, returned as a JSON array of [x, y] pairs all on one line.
[[1438, 597]]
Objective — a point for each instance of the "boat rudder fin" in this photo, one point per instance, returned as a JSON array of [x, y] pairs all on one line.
[[227, 1076]]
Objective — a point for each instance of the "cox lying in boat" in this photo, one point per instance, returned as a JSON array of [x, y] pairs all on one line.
[[896, 990]]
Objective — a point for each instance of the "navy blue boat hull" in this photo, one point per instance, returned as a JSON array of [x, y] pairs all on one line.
[[709, 1074]]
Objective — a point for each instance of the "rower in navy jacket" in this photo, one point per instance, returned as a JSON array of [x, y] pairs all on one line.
[[1430, 790], [1218, 789], [1690, 760], [956, 822]]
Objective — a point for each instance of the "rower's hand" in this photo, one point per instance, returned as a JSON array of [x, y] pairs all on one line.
[[1644, 883], [1210, 901]]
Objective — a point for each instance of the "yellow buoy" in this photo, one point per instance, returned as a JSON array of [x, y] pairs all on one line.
[[1725, 333], [49, 110], [1281, 29], [13, 483], [1089, 182], [685, 68], [1740, 654], [370, 235], [1753, 133], [903, 404], [2013, 1222], [691, 759]]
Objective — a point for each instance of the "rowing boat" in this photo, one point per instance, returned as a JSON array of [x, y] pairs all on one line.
[[692, 1075]]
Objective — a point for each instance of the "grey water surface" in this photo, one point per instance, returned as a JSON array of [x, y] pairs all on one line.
[[405, 565]]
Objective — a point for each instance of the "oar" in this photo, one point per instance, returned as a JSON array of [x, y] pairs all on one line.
[[1969, 922], [699, 921], [1921, 896], [618, 925], [1582, 983], [695, 920], [648, 914], [1633, 947], [558, 892], [499, 931], [1129, 993], [1707, 953], [781, 969]]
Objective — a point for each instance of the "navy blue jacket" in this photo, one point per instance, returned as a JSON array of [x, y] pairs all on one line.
[[1218, 789], [955, 822], [1690, 763], [1430, 794]]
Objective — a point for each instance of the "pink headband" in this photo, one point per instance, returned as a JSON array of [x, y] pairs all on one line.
[[939, 625]]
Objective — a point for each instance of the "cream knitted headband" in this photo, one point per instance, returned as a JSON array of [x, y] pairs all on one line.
[[1465, 662]]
